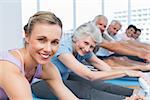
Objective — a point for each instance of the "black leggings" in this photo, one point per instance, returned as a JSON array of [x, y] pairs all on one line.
[[101, 85], [135, 58], [84, 89]]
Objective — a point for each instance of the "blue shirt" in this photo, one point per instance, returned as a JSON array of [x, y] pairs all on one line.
[[66, 46]]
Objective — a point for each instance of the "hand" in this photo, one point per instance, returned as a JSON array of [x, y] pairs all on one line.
[[146, 78], [136, 97], [133, 73], [146, 55], [145, 67]]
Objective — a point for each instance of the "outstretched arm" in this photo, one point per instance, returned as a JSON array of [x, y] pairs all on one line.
[[51, 75], [118, 47], [139, 44], [122, 47], [99, 64], [13, 82], [73, 64], [125, 63]]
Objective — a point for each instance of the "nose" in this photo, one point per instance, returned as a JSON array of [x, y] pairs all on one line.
[[115, 32], [102, 29], [47, 48], [87, 48]]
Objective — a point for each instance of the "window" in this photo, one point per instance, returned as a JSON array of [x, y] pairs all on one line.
[[86, 10], [62, 9]]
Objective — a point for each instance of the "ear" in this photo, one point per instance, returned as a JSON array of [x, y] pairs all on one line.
[[26, 37]]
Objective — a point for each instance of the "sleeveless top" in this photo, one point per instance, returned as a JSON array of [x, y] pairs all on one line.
[[7, 56]]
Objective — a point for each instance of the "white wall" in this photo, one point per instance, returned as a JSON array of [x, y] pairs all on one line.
[[10, 24]]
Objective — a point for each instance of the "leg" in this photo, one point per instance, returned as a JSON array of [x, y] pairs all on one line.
[[84, 91], [40, 89], [135, 58], [81, 90], [100, 85], [101, 95]]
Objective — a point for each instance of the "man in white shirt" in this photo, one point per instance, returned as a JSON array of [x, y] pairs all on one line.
[[109, 35]]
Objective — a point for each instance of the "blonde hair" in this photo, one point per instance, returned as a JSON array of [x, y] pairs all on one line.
[[42, 17]]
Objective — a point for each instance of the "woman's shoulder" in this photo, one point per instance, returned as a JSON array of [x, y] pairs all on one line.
[[9, 59], [8, 67], [66, 40], [65, 46]]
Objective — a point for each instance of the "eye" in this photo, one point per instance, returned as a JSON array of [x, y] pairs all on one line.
[[92, 47], [42, 40], [55, 42], [86, 43]]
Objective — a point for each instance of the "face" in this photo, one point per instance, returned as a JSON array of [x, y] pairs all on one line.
[[130, 32], [84, 45], [136, 35], [43, 42], [113, 29], [101, 23]]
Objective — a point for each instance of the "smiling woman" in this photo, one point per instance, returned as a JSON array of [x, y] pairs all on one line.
[[42, 35]]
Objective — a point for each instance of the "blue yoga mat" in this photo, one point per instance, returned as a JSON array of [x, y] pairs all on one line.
[[125, 81], [35, 98]]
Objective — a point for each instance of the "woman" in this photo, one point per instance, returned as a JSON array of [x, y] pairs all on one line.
[[19, 67], [75, 50]]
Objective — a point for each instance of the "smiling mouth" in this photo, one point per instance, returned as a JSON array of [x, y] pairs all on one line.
[[45, 56], [83, 51]]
